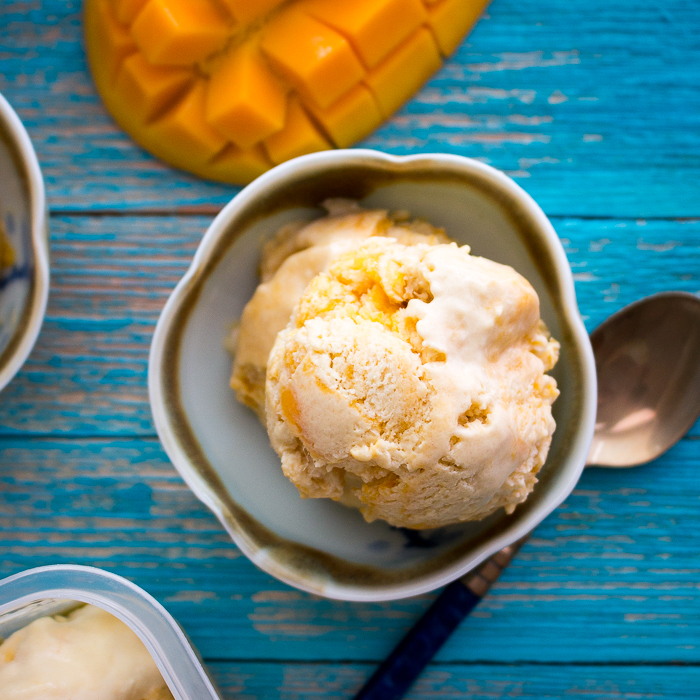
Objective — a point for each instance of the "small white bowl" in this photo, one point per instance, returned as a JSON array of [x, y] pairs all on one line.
[[223, 452], [24, 287]]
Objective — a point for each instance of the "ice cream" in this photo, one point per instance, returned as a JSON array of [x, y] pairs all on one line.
[[86, 655], [411, 383], [7, 253], [290, 261]]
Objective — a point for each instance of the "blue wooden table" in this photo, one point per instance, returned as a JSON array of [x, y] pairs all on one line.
[[594, 108]]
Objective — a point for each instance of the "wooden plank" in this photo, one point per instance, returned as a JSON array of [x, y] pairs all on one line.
[[596, 112], [610, 577], [110, 279], [452, 682], [594, 109], [112, 275], [616, 262]]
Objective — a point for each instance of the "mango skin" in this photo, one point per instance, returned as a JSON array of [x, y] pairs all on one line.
[[226, 89]]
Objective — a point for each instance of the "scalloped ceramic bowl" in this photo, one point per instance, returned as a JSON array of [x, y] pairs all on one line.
[[24, 286], [223, 452]]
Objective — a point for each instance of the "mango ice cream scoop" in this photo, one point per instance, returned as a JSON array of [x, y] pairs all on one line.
[[411, 382]]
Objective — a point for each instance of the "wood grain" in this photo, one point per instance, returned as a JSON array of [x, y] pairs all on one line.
[[595, 109], [112, 275], [610, 576], [456, 682]]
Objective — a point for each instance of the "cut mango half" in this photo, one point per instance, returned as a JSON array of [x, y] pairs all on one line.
[[226, 89]]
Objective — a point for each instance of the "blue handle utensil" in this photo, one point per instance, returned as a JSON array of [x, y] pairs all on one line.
[[398, 672]]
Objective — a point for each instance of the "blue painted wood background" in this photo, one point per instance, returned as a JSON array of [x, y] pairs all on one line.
[[595, 109]]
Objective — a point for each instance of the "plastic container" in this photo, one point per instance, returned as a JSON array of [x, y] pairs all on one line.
[[53, 590]]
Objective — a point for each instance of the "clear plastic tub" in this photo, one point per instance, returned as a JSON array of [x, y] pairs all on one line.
[[52, 590]]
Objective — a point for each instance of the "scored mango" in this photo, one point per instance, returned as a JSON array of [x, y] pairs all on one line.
[[298, 137], [150, 89], [228, 88], [244, 99], [179, 32]]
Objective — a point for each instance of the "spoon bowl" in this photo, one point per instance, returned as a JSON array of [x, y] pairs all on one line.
[[648, 364]]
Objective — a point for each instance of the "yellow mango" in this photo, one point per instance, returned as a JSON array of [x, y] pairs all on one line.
[[226, 89], [450, 20], [127, 10], [245, 101], [373, 27], [299, 136], [351, 118], [395, 79], [150, 90], [186, 125], [115, 40], [245, 11], [239, 166], [179, 32], [315, 58]]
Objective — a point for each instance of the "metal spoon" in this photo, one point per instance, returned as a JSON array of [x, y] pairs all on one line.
[[648, 364]]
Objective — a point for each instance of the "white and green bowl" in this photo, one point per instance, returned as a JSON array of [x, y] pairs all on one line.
[[223, 452], [24, 286]]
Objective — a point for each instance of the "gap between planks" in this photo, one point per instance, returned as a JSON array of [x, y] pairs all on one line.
[[472, 662], [214, 210]]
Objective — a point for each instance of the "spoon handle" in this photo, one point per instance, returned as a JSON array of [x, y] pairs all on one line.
[[400, 669]]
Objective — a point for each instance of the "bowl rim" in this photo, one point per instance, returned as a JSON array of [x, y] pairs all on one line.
[[36, 310], [288, 172]]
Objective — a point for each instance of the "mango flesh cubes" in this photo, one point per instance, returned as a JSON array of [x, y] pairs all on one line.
[[228, 88]]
